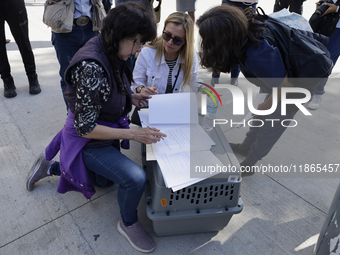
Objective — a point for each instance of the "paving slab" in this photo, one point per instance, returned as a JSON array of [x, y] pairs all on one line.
[[280, 215]]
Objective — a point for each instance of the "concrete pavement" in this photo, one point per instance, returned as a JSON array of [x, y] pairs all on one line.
[[281, 215]]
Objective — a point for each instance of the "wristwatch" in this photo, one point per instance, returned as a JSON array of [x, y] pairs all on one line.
[[139, 89]]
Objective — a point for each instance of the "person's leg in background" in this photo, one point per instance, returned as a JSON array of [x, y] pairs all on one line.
[[334, 49], [67, 44], [260, 140], [107, 5], [17, 20], [280, 4], [5, 69], [215, 78], [14, 12], [234, 76], [296, 6]]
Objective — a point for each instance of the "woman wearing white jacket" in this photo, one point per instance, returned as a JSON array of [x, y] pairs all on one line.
[[169, 63]]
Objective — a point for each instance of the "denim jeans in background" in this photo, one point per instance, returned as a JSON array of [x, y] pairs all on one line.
[[67, 44], [334, 49], [110, 163]]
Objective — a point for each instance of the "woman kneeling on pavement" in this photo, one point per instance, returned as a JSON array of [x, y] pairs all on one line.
[[99, 98]]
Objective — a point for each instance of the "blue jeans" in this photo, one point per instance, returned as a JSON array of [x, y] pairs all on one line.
[[67, 44], [260, 140], [334, 49], [110, 163]]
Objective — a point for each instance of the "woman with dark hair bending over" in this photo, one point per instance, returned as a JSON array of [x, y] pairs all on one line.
[[231, 37], [99, 98]]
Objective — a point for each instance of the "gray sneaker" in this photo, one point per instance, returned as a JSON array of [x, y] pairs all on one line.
[[314, 104], [137, 237], [234, 81], [214, 81], [38, 171]]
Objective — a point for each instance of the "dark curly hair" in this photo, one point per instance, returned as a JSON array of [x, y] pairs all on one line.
[[126, 21], [226, 31]]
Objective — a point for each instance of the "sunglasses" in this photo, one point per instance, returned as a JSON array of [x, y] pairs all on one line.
[[175, 40]]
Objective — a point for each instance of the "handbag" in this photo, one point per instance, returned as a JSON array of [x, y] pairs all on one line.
[[59, 15]]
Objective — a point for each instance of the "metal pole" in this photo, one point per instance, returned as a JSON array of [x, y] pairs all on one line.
[[329, 238]]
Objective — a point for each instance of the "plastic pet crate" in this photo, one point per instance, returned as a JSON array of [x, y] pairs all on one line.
[[202, 207]]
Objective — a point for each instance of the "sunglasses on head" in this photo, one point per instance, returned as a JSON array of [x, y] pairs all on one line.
[[175, 40]]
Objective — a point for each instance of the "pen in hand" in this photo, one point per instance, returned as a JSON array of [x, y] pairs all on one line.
[[152, 81], [152, 129]]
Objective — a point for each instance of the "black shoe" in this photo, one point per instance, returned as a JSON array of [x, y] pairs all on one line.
[[34, 84], [247, 169], [9, 87], [237, 149]]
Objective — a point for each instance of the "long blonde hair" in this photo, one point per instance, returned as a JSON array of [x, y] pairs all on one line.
[[187, 50]]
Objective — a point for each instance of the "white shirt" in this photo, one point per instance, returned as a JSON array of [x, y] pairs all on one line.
[[148, 69]]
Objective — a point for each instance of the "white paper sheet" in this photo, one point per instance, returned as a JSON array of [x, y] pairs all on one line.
[[174, 108], [176, 168], [187, 138]]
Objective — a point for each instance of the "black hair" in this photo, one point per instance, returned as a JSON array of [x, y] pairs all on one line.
[[226, 31], [126, 21]]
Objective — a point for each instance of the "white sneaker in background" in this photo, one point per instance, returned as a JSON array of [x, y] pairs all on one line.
[[234, 81], [315, 102], [214, 81]]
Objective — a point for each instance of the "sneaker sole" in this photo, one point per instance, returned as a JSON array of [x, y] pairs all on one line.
[[120, 230], [34, 169], [312, 107]]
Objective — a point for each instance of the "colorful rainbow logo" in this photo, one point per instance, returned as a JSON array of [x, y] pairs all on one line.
[[208, 92]]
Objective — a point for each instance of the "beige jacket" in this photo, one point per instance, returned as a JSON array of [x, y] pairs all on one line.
[[59, 15]]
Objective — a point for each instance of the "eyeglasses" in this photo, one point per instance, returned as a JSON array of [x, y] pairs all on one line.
[[167, 37], [140, 45]]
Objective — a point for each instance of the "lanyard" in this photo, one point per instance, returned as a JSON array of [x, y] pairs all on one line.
[[173, 87]]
